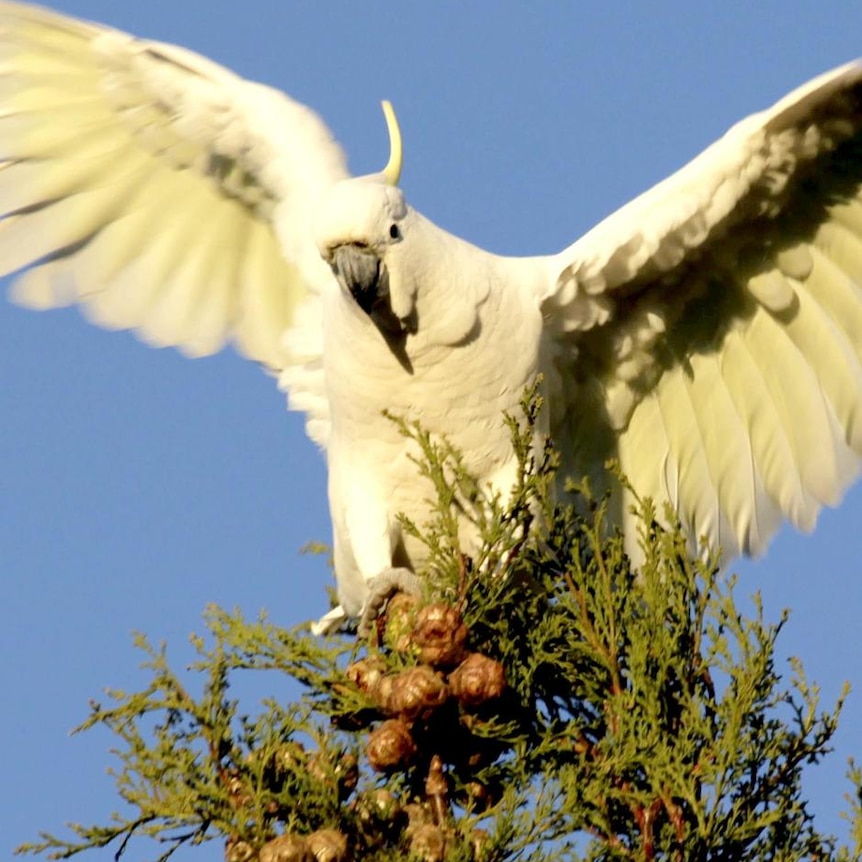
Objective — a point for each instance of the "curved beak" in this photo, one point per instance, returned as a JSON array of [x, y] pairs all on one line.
[[360, 272]]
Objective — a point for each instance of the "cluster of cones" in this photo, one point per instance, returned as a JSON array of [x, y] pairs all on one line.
[[412, 697], [426, 694]]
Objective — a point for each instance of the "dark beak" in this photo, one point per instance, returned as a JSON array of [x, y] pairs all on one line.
[[361, 274]]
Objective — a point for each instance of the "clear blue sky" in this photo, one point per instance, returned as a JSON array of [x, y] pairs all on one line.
[[136, 486]]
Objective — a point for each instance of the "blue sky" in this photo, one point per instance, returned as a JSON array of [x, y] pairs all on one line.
[[137, 486]]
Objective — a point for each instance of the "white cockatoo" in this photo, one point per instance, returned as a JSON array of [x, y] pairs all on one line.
[[708, 335]]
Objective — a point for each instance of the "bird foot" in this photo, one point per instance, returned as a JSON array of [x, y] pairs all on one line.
[[382, 588]]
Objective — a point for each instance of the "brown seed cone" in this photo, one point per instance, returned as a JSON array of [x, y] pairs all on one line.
[[238, 851], [414, 692], [239, 795], [400, 620], [390, 746], [480, 843], [319, 768], [343, 772], [347, 774], [418, 814], [286, 848], [289, 758], [328, 845], [428, 843], [477, 679], [440, 634], [383, 690], [477, 795], [435, 783], [365, 674], [377, 806]]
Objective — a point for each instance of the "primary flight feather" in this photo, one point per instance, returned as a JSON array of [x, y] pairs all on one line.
[[708, 334]]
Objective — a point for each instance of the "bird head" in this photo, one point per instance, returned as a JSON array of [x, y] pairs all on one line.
[[359, 228]]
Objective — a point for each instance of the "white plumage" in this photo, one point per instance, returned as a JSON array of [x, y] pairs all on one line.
[[709, 334]]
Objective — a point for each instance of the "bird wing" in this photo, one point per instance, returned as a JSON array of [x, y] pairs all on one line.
[[162, 192], [709, 334]]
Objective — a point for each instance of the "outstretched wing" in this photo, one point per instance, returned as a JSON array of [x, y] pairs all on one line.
[[162, 192], [709, 334]]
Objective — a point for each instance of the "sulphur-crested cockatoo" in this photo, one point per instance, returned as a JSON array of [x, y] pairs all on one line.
[[708, 334]]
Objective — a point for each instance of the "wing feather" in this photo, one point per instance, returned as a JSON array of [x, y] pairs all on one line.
[[161, 191], [720, 314], [800, 403], [831, 356], [771, 444], [727, 449], [680, 422]]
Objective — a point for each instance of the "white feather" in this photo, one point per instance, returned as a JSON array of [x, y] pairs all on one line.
[[708, 334]]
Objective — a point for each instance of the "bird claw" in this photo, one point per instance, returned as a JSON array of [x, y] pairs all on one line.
[[382, 588], [330, 622]]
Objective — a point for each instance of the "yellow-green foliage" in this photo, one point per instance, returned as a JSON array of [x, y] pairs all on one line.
[[541, 702]]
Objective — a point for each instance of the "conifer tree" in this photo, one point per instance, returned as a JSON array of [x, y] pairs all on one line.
[[542, 701]]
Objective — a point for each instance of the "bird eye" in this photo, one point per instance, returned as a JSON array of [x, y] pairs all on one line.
[[394, 233]]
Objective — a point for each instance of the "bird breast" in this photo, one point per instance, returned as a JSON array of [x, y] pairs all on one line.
[[461, 391]]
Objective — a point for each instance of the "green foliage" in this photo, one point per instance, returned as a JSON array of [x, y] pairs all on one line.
[[543, 701]]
